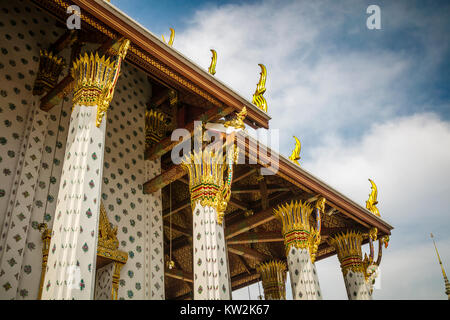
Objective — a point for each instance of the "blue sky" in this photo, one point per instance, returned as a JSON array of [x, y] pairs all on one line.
[[365, 103]]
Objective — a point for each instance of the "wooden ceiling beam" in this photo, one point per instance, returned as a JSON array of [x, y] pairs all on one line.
[[251, 222], [179, 274], [256, 237], [175, 172], [238, 203], [184, 231], [264, 193], [177, 207], [245, 174], [167, 144], [65, 40], [257, 189], [248, 253], [159, 99]]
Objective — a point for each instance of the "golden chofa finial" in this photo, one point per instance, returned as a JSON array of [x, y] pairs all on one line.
[[238, 122], [295, 156], [212, 67], [372, 201], [258, 98], [172, 37]]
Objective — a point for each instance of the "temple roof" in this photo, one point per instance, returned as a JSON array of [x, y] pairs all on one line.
[[152, 55]]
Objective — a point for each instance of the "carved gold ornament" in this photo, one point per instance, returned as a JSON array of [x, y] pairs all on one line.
[[372, 201], [50, 68], [172, 37], [95, 79], [258, 99], [155, 127], [238, 122], [206, 171], [295, 156], [46, 237], [296, 228], [273, 276], [212, 67], [348, 248]]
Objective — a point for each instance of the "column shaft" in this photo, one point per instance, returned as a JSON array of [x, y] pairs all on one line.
[[348, 247], [210, 262], [73, 248], [301, 241], [154, 251], [303, 275], [20, 206]]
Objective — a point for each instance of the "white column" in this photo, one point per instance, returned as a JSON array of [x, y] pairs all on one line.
[[154, 250], [301, 241], [210, 193], [73, 249], [20, 206], [273, 277], [210, 260], [348, 248], [303, 275]]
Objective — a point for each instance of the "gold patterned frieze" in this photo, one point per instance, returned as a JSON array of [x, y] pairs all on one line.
[[273, 276], [50, 68], [95, 79], [296, 227]]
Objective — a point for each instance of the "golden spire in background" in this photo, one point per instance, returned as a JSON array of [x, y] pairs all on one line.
[[212, 67], [372, 201], [295, 156], [258, 99], [447, 284], [172, 37]]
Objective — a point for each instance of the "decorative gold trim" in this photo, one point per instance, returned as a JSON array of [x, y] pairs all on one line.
[[258, 99], [295, 156], [212, 67], [348, 248], [273, 276], [206, 183], [46, 237], [172, 37], [50, 68], [296, 228], [95, 79], [372, 201], [238, 122], [155, 127]]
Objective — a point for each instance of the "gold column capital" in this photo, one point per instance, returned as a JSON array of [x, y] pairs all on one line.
[[206, 183], [273, 276], [155, 127], [296, 227], [50, 67], [348, 248], [95, 78]]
